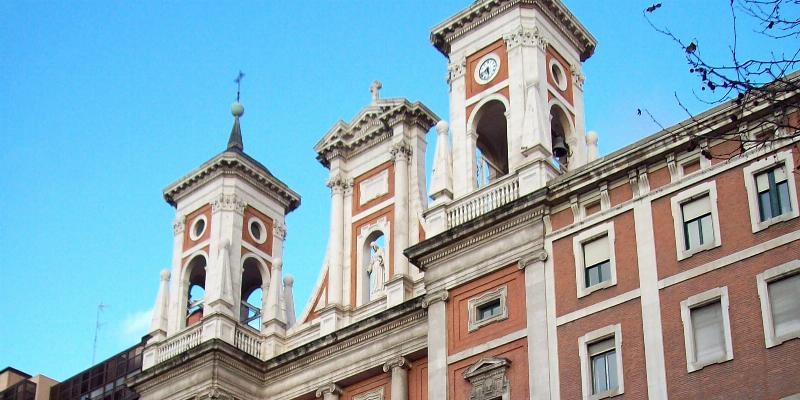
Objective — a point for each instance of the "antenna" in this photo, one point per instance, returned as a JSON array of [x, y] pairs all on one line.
[[97, 324], [238, 81]]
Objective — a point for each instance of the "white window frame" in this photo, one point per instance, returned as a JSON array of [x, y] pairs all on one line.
[[758, 167], [473, 304], [709, 296], [691, 159], [704, 189], [762, 281], [605, 229], [594, 336]]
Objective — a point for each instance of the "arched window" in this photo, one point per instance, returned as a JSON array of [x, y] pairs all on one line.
[[252, 293], [560, 135], [195, 290], [491, 147], [376, 266]]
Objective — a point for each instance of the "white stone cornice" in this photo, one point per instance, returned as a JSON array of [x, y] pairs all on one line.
[[397, 362], [179, 225], [439, 295], [330, 388], [525, 37], [228, 202]]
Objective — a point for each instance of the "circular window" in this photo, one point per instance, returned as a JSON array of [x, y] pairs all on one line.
[[257, 230], [558, 75], [198, 227]]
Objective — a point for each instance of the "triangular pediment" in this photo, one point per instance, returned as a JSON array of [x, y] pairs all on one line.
[[486, 365]]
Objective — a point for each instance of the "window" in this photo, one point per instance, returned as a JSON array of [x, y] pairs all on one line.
[[594, 259], [706, 329], [488, 308], [694, 212], [771, 190], [697, 224], [601, 362], [780, 305]]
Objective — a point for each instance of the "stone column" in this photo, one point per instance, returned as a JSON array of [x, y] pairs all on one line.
[[536, 309], [329, 392], [437, 344], [398, 368], [177, 311], [337, 183], [400, 153]]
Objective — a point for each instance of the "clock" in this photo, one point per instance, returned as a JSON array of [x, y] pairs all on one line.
[[487, 68]]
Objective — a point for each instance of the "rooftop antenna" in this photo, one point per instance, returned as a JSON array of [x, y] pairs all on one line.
[[238, 81], [97, 325]]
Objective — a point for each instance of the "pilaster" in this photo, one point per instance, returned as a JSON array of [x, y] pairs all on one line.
[[437, 344], [536, 329], [338, 182], [398, 368], [329, 392]]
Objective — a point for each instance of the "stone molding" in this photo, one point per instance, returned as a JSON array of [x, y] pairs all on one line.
[[439, 295], [397, 362], [525, 37], [330, 388], [228, 202]]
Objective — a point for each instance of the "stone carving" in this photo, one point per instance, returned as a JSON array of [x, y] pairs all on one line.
[[439, 295], [376, 270], [374, 394], [279, 230], [228, 202], [179, 225], [530, 259], [525, 37], [456, 70], [330, 388], [338, 183], [401, 150], [577, 76], [397, 362], [375, 89], [488, 379]]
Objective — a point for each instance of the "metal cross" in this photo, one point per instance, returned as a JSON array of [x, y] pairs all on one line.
[[238, 81]]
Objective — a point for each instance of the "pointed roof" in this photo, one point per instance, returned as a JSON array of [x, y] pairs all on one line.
[[234, 161]]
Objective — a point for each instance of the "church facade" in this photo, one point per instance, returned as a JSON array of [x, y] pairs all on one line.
[[528, 267]]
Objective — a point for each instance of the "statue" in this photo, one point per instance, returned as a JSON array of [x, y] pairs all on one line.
[[375, 270]]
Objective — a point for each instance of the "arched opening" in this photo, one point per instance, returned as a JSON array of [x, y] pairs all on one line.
[[376, 266], [196, 290], [252, 294], [560, 133], [491, 147]]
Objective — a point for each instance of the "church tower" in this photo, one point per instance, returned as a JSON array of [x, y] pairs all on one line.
[[516, 97], [377, 182], [226, 281]]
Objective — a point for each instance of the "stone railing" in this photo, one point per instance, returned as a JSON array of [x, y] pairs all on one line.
[[482, 201], [247, 341], [180, 343]]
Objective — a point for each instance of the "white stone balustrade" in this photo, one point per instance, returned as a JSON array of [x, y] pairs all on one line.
[[180, 343], [475, 204], [249, 342]]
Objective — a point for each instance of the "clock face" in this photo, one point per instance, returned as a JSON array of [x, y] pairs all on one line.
[[487, 69]]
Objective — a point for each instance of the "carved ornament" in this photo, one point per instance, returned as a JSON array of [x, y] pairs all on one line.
[[537, 256], [338, 183], [456, 70], [279, 230], [179, 225], [525, 37], [439, 295], [397, 362], [488, 378], [577, 76], [401, 151], [330, 388], [374, 394], [228, 202]]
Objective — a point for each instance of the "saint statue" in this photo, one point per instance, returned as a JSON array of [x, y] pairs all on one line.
[[376, 270]]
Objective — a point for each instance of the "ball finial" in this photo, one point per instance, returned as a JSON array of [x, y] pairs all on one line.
[[288, 280], [164, 275], [237, 109], [442, 127]]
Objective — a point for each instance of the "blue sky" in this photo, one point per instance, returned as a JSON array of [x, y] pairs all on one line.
[[105, 103]]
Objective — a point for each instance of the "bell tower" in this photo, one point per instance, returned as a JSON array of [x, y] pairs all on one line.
[[225, 281], [516, 97]]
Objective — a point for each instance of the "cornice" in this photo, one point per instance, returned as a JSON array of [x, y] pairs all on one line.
[[235, 164], [462, 23]]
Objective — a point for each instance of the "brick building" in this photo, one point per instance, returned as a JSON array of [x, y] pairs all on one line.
[[537, 270]]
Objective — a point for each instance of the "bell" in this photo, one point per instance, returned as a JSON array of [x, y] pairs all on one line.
[[560, 148]]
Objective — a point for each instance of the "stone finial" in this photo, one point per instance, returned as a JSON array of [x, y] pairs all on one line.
[[591, 146], [375, 89], [235, 138], [441, 189], [158, 322], [288, 300]]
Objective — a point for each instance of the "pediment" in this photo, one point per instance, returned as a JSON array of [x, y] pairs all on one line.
[[486, 365]]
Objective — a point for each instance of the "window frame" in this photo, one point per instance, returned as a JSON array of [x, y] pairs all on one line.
[[584, 342], [710, 296], [762, 166], [474, 304], [578, 242], [762, 282], [694, 193]]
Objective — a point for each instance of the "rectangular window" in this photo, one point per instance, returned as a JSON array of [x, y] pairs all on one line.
[[597, 261], [706, 329], [773, 193], [489, 310], [603, 356], [779, 292], [698, 225]]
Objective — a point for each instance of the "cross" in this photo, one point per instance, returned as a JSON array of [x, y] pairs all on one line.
[[238, 81], [375, 89]]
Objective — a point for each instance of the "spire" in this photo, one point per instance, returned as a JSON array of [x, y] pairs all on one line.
[[235, 139], [158, 323], [441, 188]]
